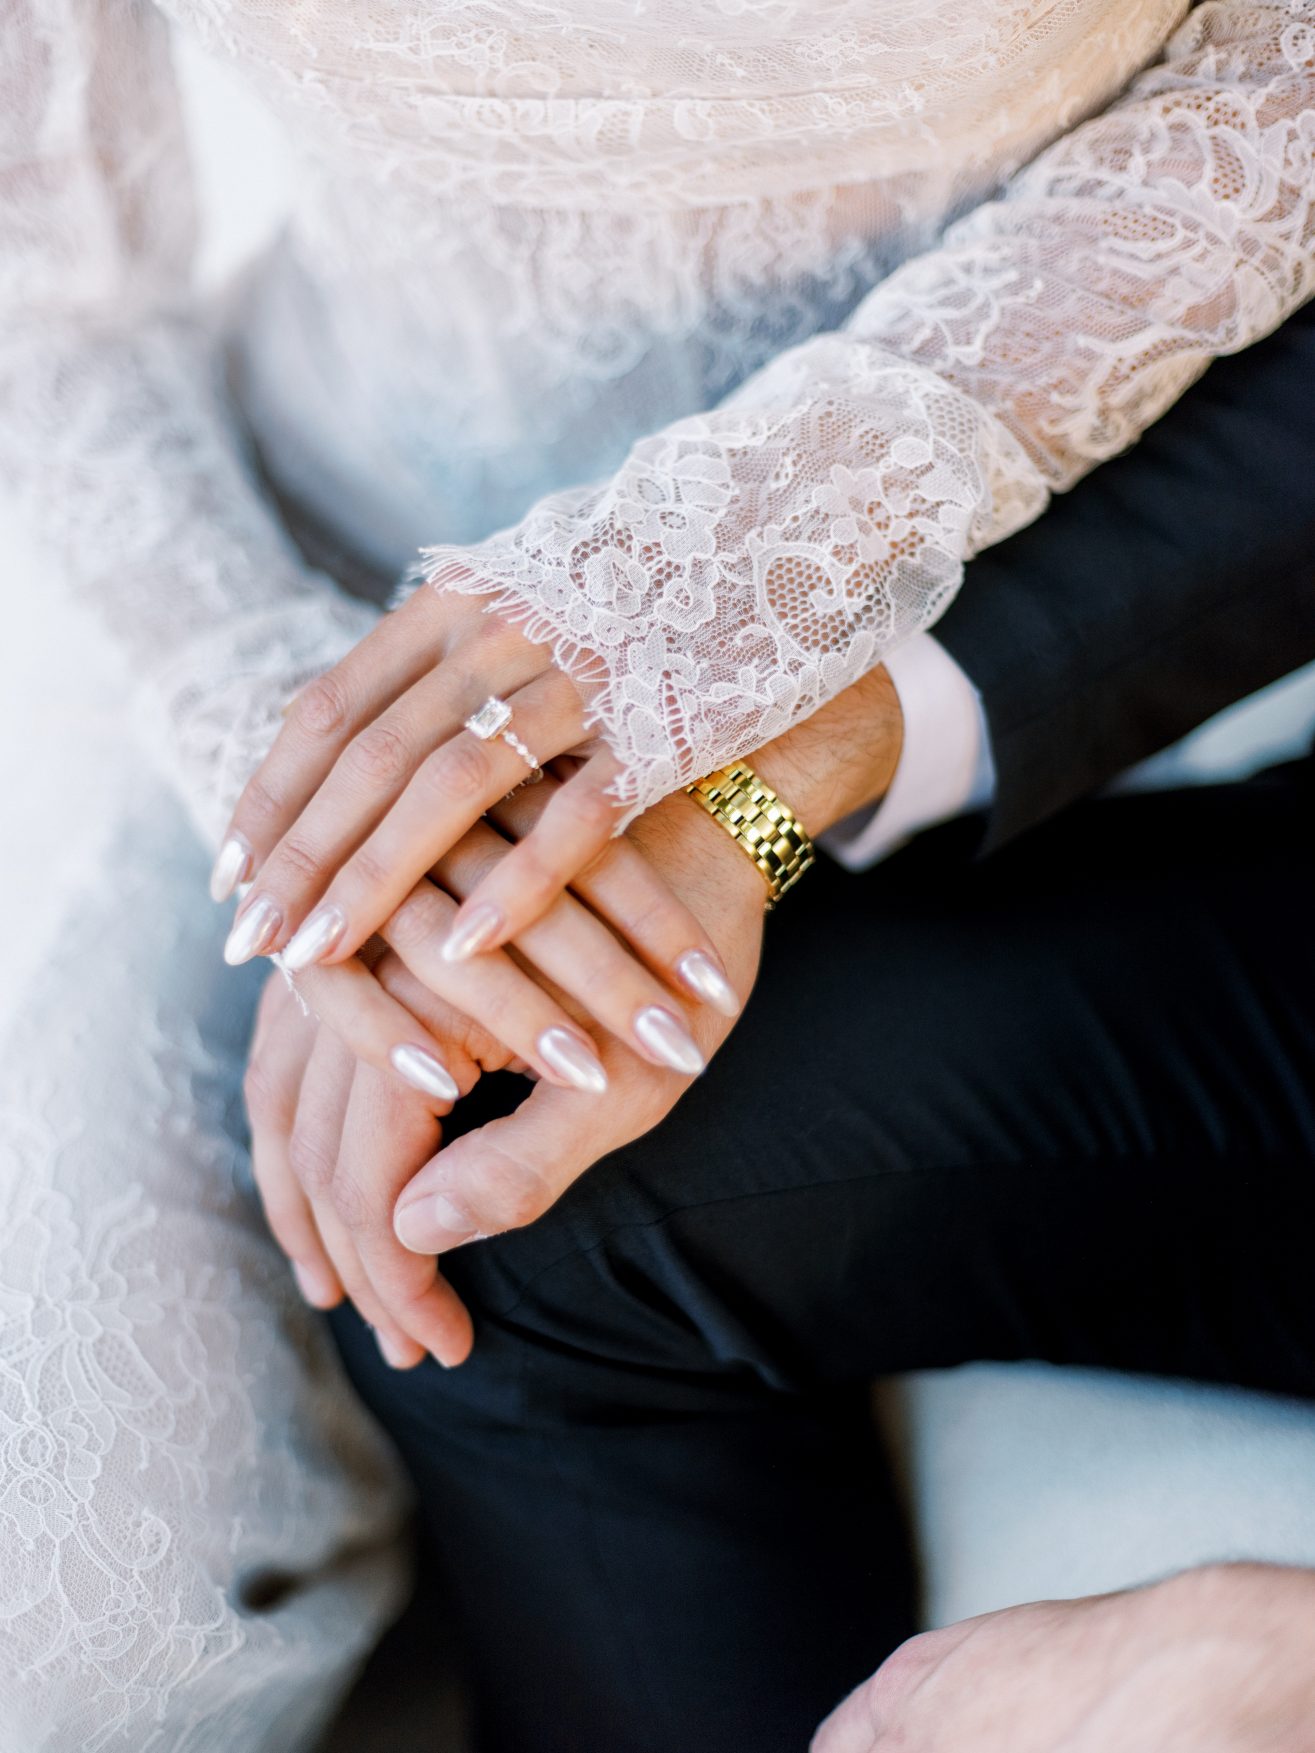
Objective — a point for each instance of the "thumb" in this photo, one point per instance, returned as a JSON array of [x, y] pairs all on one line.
[[504, 1175]]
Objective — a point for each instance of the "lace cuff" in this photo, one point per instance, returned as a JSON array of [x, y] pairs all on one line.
[[746, 564]]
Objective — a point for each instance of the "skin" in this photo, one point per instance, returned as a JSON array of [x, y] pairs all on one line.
[[373, 778], [350, 1162], [1217, 1660], [1220, 1660]]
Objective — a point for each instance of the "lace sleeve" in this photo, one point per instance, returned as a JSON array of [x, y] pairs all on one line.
[[114, 436], [746, 564]]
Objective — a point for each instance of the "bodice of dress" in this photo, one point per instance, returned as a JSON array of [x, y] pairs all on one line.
[[527, 236], [710, 337]]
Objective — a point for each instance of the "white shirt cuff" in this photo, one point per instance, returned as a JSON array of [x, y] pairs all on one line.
[[945, 767]]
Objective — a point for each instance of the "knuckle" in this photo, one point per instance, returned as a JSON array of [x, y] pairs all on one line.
[[415, 925], [380, 756], [509, 1196], [265, 1096], [499, 1011], [370, 871], [299, 860], [588, 809], [313, 1161], [349, 1200], [487, 630], [479, 863], [322, 708], [460, 769], [605, 976], [259, 804], [537, 881], [654, 919], [903, 1668], [518, 1205]]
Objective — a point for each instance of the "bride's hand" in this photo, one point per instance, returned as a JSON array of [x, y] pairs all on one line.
[[373, 779], [337, 1146]]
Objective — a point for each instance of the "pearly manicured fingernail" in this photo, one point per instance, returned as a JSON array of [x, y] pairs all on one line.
[[432, 1225], [665, 1038], [572, 1059], [315, 937], [316, 1284], [469, 934], [705, 979], [232, 866], [254, 930], [423, 1072]]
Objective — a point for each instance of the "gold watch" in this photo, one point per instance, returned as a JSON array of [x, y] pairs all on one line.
[[763, 824]]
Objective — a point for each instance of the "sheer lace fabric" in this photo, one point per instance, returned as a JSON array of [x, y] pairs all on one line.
[[819, 297], [200, 1531], [748, 563], [537, 245]]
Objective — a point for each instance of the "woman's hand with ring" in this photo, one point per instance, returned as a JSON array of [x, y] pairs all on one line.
[[374, 777]]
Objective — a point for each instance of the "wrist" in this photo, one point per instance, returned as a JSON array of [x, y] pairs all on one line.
[[842, 758]]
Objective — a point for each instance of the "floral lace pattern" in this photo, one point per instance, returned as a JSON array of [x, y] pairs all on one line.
[[749, 563], [199, 1527], [818, 298]]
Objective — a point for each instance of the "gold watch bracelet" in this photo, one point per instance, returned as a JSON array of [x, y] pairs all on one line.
[[761, 822]]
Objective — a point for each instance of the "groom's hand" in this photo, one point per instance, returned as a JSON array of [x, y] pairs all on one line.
[[509, 1172]]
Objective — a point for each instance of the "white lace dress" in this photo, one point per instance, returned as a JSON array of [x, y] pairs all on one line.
[[713, 336]]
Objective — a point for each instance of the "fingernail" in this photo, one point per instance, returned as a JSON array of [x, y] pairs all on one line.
[[232, 866], [432, 1225], [398, 1357], [706, 980], [315, 937], [571, 1058], [316, 1283], [471, 932], [423, 1072], [667, 1040], [254, 930]]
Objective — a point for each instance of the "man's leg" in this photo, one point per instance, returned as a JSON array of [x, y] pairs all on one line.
[[1059, 1106]]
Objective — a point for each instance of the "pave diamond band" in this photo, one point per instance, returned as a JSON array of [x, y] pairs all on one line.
[[494, 720]]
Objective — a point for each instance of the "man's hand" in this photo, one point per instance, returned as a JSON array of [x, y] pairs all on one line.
[[1218, 1660], [507, 1173], [335, 1142]]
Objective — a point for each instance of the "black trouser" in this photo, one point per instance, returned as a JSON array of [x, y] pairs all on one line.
[[1060, 1105]]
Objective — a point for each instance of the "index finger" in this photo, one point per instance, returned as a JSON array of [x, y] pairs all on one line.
[[319, 724]]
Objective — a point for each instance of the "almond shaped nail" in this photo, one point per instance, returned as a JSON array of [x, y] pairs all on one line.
[[699, 974], [254, 930], [232, 866], [665, 1038], [572, 1059], [315, 937], [470, 934], [423, 1072]]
